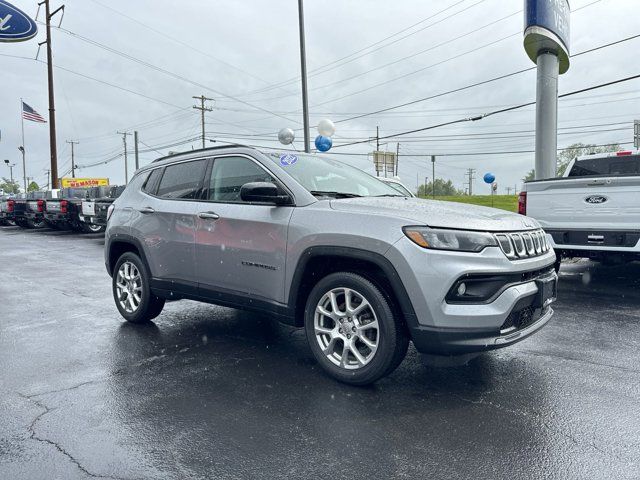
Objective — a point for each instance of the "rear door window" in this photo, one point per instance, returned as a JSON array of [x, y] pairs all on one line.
[[625, 165], [182, 180]]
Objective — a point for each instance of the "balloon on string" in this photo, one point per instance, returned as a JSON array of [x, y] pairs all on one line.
[[323, 143], [326, 128], [489, 178], [286, 136]]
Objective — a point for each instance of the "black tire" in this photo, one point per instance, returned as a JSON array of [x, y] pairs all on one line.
[[91, 228], [392, 338], [149, 306]]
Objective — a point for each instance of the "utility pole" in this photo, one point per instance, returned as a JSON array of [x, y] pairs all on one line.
[[471, 178], [508, 190], [397, 156], [303, 75], [377, 139], [202, 109], [73, 158], [433, 175], [135, 148], [426, 180], [126, 165], [52, 108], [48, 178]]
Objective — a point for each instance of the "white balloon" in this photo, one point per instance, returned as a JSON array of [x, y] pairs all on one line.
[[286, 136], [326, 127]]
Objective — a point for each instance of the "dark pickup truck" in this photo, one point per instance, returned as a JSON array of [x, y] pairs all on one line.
[[34, 210], [94, 208], [64, 212]]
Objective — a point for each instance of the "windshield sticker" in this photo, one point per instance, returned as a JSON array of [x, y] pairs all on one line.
[[288, 159]]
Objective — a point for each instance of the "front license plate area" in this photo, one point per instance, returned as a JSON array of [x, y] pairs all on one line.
[[547, 291]]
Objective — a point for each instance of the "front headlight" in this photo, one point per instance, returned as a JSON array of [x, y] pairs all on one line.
[[443, 239]]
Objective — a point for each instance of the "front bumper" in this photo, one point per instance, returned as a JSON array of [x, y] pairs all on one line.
[[440, 327]]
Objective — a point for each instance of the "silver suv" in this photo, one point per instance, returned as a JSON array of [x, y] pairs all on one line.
[[322, 245]]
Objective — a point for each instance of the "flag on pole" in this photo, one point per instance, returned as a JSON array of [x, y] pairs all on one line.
[[29, 113]]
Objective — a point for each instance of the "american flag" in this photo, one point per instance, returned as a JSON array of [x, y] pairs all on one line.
[[29, 113]]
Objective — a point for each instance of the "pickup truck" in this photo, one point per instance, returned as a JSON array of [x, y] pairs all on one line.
[[64, 212], [6, 210], [34, 210], [94, 208], [593, 211]]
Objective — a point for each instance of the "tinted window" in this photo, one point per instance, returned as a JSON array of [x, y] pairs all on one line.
[[152, 181], [182, 180], [625, 165], [229, 174]]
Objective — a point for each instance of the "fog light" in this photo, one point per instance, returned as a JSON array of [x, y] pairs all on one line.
[[462, 289]]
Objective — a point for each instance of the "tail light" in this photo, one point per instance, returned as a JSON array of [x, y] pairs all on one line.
[[10, 205], [63, 206], [110, 212], [522, 203], [40, 206], [624, 153]]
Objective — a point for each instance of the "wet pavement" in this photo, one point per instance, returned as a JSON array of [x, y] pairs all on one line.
[[210, 392]]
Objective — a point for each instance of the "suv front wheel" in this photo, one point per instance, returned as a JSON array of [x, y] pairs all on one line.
[[352, 330], [131, 292]]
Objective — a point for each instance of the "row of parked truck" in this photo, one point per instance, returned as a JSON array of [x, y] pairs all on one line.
[[79, 209]]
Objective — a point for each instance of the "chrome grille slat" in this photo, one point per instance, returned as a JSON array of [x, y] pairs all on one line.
[[526, 244]]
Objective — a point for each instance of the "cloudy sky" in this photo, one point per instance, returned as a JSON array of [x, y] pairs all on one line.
[[134, 65]]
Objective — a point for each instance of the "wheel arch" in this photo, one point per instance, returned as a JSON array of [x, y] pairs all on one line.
[[121, 244], [317, 262]]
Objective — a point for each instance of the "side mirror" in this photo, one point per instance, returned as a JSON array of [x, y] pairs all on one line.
[[263, 192]]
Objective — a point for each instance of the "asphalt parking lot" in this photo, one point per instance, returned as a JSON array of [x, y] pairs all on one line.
[[209, 392]]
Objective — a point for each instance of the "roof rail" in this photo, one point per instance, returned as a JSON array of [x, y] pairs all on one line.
[[207, 149]]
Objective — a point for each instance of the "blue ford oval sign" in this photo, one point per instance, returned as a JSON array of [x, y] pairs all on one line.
[[15, 25]]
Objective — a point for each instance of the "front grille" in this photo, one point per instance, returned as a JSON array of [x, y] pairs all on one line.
[[518, 245], [522, 318]]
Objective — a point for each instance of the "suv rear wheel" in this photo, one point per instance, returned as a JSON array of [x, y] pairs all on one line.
[[352, 330], [131, 292]]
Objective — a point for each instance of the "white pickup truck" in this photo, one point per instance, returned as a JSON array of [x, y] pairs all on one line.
[[593, 211]]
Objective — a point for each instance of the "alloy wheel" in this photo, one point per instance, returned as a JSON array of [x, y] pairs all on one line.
[[129, 287], [346, 328]]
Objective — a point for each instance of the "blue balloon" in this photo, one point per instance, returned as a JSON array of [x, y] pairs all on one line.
[[489, 178], [323, 143]]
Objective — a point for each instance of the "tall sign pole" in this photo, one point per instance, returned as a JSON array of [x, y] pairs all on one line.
[[52, 108], [303, 73], [546, 41]]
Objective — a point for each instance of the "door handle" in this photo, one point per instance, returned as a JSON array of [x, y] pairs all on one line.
[[147, 210], [209, 215]]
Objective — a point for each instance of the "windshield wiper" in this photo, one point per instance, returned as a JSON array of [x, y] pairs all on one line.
[[320, 193], [391, 195]]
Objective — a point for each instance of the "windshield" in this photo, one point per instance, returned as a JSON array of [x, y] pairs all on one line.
[[323, 176]]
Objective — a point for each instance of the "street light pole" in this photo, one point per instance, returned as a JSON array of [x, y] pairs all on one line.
[[303, 72]]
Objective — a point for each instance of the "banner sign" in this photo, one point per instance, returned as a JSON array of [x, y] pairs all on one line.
[[83, 182], [547, 27], [15, 25]]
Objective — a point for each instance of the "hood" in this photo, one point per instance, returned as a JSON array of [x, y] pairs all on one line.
[[434, 213]]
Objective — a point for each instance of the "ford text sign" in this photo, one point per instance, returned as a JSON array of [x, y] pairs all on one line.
[[547, 28], [15, 25]]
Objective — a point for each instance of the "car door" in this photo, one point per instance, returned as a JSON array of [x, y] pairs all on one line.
[[165, 223], [240, 247]]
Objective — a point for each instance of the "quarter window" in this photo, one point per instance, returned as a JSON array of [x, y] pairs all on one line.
[[229, 174], [152, 181], [182, 180]]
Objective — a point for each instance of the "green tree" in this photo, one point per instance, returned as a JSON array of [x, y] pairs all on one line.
[[443, 188], [8, 186], [33, 187], [571, 152]]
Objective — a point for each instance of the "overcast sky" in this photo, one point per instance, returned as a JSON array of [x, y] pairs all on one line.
[[235, 52]]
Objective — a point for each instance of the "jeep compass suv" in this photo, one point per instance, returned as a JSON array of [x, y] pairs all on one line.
[[322, 245]]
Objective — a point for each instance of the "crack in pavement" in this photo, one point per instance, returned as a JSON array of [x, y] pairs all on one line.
[[34, 436]]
